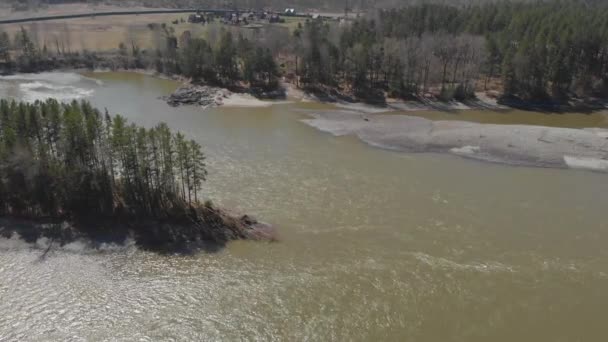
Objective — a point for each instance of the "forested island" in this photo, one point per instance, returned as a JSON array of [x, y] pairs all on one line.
[[67, 171], [520, 52]]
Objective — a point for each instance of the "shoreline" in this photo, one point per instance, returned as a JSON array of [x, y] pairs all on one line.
[[385, 127], [229, 98], [293, 93], [481, 102]]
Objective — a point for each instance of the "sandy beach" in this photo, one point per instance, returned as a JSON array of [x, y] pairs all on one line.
[[524, 145]]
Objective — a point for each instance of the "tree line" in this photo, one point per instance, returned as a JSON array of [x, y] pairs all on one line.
[[537, 50], [62, 160], [24, 53], [227, 62], [230, 60], [533, 50]]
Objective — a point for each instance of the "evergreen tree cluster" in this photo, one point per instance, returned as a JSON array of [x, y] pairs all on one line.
[[24, 53], [70, 160], [556, 47], [539, 49], [225, 63]]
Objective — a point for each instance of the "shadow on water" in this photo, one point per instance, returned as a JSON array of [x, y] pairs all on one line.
[[587, 107], [50, 235]]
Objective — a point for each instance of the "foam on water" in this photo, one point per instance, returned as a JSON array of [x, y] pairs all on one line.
[[39, 87], [38, 90], [53, 77]]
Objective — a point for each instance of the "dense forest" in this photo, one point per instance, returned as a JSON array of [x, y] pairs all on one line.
[[538, 50], [66, 159], [228, 61]]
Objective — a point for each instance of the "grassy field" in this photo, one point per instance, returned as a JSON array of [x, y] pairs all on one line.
[[106, 33], [101, 33]]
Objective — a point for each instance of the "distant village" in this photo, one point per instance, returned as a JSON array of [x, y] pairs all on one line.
[[247, 17]]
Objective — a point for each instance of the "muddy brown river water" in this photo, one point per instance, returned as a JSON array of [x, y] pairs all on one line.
[[375, 245]]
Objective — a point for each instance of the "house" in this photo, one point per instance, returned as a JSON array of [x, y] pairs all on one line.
[[196, 18], [290, 11], [237, 19]]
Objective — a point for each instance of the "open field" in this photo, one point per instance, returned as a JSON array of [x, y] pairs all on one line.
[[106, 33], [100, 33]]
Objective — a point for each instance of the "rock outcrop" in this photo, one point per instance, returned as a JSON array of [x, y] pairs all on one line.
[[205, 96]]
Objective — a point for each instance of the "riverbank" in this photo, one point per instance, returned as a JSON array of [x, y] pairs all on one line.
[[391, 104], [481, 101], [523, 145], [207, 96], [211, 96]]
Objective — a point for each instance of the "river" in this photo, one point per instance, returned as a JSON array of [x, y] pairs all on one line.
[[374, 245]]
